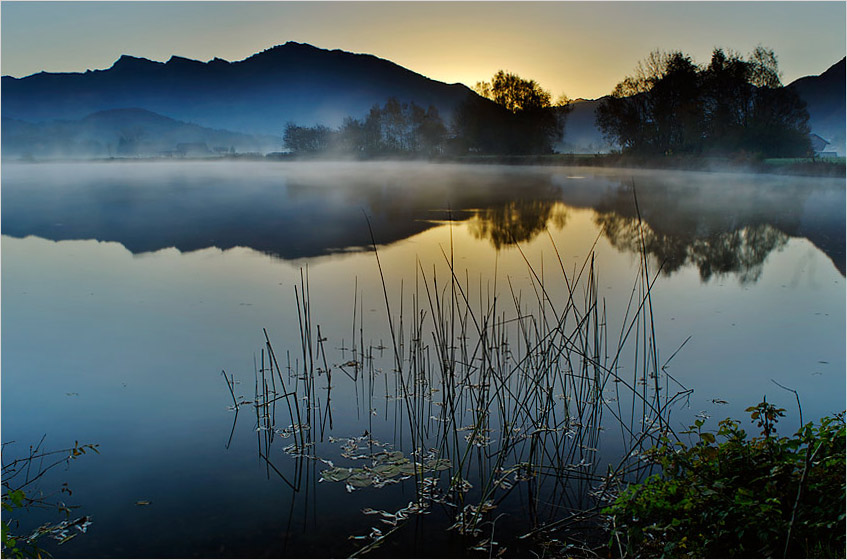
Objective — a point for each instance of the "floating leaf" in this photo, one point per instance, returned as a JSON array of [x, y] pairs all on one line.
[[336, 474], [360, 480], [408, 468], [438, 464], [143, 503], [387, 470], [391, 457]]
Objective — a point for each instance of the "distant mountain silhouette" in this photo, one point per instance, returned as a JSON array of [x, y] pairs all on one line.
[[259, 95], [307, 85], [581, 133], [825, 98], [123, 132]]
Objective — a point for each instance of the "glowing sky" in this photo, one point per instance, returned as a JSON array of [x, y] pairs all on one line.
[[579, 48]]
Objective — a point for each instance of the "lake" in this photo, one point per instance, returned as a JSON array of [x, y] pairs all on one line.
[[516, 331]]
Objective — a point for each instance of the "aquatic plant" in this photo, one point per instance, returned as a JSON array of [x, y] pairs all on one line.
[[20, 492], [496, 401]]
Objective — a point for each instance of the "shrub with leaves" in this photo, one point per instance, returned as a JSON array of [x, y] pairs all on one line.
[[727, 495], [19, 493]]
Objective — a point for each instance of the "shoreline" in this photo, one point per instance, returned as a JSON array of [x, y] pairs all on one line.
[[802, 167]]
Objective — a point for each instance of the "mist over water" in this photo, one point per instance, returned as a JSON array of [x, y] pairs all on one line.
[[297, 210], [128, 287]]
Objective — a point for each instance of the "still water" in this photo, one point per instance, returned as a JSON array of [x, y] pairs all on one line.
[[128, 287]]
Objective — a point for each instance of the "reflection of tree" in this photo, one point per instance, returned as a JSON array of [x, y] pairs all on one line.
[[516, 221], [741, 251]]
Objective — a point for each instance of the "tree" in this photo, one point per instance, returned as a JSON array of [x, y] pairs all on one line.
[[727, 98], [393, 129], [657, 109], [670, 105], [514, 93], [533, 123], [430, 131], [779, 122], [305, 140]]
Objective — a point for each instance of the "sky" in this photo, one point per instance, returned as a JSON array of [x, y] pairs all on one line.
[[581, 49]]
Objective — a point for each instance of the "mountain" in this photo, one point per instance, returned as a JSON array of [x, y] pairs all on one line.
[[825, 97], [581, 134], [303, 84], [259, 95], [123, 132]]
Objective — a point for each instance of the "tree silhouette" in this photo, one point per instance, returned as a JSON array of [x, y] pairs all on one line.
[[527, 123], [394, 129], [516, 221], [672, 106]]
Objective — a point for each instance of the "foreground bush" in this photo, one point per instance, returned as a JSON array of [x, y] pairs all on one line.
[[730, 496]]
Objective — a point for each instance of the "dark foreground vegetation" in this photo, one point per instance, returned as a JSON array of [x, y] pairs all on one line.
[[21, 492], [730, 496], [722, 495]]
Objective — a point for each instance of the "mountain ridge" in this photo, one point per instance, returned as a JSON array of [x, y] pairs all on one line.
[[130, 132], [258, 95], [307, 85]]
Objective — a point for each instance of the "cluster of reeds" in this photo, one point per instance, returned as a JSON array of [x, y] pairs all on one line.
[[522, 390]]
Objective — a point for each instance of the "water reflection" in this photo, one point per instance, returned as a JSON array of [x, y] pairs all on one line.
[[720, 223], [517, 221], [741, 252], [723, 224]]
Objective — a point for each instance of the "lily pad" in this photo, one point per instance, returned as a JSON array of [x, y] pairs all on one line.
[[391, 457], [336, 474], [387, 470], [438, 464], [408, 468], [360, 480]]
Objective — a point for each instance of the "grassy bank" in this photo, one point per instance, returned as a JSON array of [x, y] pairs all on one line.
[[814, 167], [811, 167]]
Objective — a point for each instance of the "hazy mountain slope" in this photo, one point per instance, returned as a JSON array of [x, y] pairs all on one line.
[[307, 85], [581, 133], [825, 99], [123, 132], [291, 82]]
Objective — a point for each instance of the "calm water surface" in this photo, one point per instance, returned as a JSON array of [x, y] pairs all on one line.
[[128, 287]]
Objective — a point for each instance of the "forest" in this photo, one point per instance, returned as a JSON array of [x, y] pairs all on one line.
[[670, 106]]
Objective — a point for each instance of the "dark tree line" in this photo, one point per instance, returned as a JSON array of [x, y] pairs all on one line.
[[670, 105], [509, 115], [393, 129]]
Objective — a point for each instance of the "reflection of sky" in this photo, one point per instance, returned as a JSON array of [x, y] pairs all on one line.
[[139, 342], [88, 317]]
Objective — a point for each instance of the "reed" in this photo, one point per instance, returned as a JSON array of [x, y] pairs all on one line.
[[491, 398]]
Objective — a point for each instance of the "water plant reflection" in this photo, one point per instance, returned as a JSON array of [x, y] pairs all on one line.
[[493, 404]]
